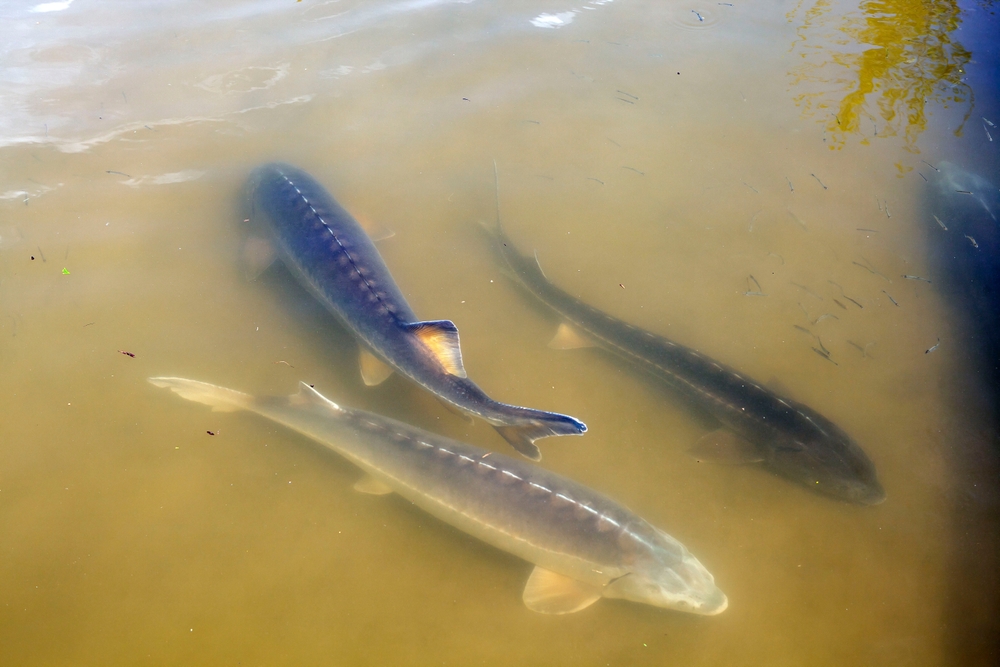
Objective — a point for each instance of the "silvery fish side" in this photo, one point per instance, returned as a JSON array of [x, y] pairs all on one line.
[[584, 545], [786, 437], [331, 255]]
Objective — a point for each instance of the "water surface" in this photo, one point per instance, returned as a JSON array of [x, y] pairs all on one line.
[[663, 159]]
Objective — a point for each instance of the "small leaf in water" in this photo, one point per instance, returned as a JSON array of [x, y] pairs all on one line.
[[65, 271]]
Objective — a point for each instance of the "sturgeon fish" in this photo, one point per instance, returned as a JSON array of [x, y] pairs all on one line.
[[584, 545], [759, 426], [331, 255]]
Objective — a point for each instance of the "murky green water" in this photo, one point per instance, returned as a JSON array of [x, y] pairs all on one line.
[[662, 158]]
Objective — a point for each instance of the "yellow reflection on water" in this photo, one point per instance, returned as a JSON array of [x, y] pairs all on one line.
[[875, 74]]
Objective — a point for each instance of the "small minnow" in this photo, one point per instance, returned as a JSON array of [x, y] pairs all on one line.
[[916, 278], [890, 298], [972, 241], [943, 226], [933, 347]]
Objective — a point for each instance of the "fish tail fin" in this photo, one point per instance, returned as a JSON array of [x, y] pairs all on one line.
[[220, 398], [522, 436]]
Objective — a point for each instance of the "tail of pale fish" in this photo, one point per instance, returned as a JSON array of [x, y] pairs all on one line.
[[537, 425], [220, 398]]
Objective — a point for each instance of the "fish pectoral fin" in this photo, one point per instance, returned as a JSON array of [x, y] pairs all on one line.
[[550, 593], [521, 438], [568, 338], [369, 484], [441, 338], [256, 256], [374, 371], [724, 446]]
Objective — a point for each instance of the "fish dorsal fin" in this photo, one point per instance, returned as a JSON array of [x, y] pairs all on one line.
[[220, 398], [369, 484], [309, 396], [441, 338], [568, 338], [374, 371], [724, 446], [256, 256], [549, 593]]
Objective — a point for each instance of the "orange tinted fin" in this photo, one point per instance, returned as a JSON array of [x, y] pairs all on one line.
[[441, 338], [550, 593], [724, 446], [568, 338], [373, 370]]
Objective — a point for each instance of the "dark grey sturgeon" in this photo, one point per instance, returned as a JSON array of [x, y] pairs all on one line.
[[584, 545], [786, 437], [331, 255]]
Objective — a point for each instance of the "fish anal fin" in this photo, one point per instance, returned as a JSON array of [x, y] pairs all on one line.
[[369, 484], [441, 338], [374, 371], [256, 256], [550, 593], [568, 338], [455, 410], [724, 446], [520, 438]]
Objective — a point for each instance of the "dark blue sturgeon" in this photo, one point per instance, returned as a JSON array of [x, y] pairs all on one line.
[[331, 256], [786, 437]]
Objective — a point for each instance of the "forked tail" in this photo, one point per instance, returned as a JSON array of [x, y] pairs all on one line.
[[536, 425], [220, 398]]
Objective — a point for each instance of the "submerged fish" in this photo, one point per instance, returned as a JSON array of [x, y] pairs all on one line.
[[584, 545], [786, 437], [330, 254]]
